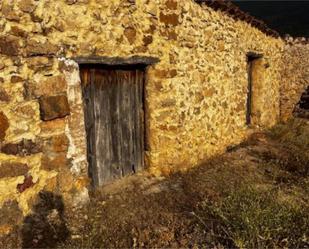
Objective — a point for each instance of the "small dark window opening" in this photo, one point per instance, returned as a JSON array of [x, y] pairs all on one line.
[[301, 110], [251, 58]]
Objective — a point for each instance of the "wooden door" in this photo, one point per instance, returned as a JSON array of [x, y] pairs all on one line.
[[114, 118], [256, 94]]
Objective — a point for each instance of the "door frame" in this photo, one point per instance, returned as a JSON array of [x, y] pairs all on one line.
[[116, 61], [141, 62]]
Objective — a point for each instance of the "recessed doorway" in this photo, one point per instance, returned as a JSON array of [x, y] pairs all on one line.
[[114, 120], [255, 85]]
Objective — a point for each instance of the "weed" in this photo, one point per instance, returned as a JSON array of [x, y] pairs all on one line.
[[293, 137]]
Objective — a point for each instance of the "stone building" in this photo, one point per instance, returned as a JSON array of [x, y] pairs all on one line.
[[295, 78], [160, 85]]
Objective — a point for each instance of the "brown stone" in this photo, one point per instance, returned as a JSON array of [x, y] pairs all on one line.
[[35, 48], [130, 33], [171, 4], [9, 45], [16, 79], [27, 6], [56, 144], [53, 126], [169, 34], [221, 46], [169, 19], [53, 107], [162, 74], [2, 65], [4, 125], [172, 35], [4, 97], [13, 16], [147, 40], [54, 161], [60, 143], [28, 183], [9, 13], [6, 8], [173, 73], [152, 29], [16, 31], [51, 86], [13, 169], [189, 44], [23, 148], [240, 107]]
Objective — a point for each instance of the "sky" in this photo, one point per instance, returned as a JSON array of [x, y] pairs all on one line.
[[287, 17]]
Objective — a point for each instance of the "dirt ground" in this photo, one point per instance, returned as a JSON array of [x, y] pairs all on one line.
[[223, 203]]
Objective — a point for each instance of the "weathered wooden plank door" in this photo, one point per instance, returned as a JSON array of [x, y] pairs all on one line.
[[114, 118]]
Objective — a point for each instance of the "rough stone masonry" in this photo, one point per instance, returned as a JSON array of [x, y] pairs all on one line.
[[195, 95]]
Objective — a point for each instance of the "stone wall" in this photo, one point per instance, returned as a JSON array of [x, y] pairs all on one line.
[[295, 74], [195, 96]]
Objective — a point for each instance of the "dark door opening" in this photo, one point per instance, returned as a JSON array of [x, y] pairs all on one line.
[[301, 110], [114, 120], [249, 93], [252, 68], [304, 100]]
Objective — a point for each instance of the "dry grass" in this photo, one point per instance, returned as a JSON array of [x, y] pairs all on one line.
[[251, 218], [253, 197]]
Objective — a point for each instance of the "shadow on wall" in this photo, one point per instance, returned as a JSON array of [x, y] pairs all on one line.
[[45, 227]]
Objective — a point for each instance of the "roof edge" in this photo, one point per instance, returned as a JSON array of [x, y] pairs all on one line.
[[237, 14], [296, 40]]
